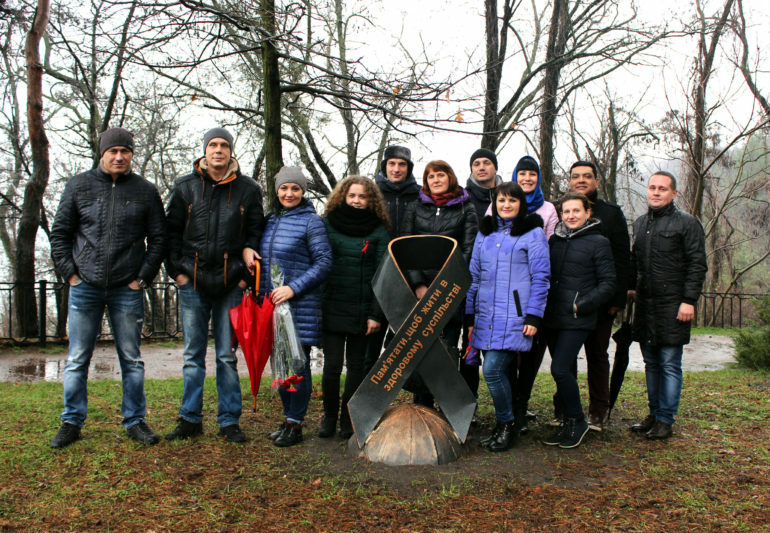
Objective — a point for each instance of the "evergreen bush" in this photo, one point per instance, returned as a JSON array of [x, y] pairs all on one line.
[[752, 345]]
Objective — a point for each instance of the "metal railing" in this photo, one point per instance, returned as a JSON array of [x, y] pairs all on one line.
[[46, 320]]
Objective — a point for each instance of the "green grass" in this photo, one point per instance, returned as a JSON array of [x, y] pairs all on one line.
[[713, 475]]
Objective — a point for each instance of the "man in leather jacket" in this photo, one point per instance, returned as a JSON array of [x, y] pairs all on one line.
[[669, 255], [107, 242], [212, 213]]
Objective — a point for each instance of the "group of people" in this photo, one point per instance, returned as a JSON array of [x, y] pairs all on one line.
[[543, 276]]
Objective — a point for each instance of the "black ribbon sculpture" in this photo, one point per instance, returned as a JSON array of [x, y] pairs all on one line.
[[417, 346]]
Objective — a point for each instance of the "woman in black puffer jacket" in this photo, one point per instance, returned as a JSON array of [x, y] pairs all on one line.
[[443, 208], [582, 280]]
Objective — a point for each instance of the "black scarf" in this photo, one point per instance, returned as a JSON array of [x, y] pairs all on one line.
[[353, 221]]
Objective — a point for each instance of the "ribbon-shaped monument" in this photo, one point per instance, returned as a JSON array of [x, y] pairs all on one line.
[[417, 346]]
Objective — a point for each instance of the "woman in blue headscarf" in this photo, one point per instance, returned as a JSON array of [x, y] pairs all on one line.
[[527, 175]]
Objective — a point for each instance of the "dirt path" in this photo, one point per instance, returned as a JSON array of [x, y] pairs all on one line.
[[164, 360]]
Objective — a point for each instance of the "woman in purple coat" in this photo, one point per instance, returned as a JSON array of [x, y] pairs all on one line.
[[510, 269]]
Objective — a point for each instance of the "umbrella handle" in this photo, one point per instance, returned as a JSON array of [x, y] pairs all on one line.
[[257, 275]]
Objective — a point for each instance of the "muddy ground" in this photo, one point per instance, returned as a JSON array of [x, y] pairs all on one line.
[[164, 360]]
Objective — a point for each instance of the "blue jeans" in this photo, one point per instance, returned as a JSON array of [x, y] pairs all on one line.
[[86, 309], [196, 311], [496, 364], [295, 402], [663, 370], [564, 345]]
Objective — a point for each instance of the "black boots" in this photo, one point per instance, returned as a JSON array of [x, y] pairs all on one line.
[[502, 438], [328, 427], [645, 425], [185, 430], [67, 434], [291, 435]]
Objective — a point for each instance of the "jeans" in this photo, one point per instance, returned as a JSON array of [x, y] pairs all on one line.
[[496, 364], [295, 402], [196, 311], [126, 313], [529, 365], [339, 347], [564, 346], [663, 370]]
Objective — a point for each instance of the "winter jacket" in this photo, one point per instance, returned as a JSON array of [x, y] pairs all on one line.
[[481, 196], [209, 223], [547, 212], [615, 228], [398, 197], [582, 274], [348, 300], [456, 219], [509, 268], [100, 229], [670, 258], [296, 241]]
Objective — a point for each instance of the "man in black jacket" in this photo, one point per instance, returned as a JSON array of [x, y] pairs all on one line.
[[107, 242], [584, 179], [483, 180], [669, 254], [400, 189], [212, 213]]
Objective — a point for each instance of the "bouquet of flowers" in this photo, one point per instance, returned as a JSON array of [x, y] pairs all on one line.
[[287, 358]]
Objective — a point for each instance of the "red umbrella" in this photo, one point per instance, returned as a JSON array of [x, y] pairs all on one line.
[[253, 326]]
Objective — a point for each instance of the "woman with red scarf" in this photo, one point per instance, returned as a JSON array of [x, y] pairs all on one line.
[[444, 208]]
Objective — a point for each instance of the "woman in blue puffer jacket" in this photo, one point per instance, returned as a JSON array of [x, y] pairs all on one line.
[[295, 239], [509, 285]]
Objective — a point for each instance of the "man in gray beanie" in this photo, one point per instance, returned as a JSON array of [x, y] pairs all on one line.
[[212, 213], [107, 242]]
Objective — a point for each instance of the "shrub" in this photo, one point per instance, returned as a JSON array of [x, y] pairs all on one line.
[[752, 345]]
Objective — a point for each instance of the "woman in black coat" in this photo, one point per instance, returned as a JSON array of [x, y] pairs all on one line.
[[582, 280], [358, 226], [443, 208]]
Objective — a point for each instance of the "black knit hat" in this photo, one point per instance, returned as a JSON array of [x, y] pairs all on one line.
[[115, 137], [395, 151], [483, 152], [217, 133], [526, 163]]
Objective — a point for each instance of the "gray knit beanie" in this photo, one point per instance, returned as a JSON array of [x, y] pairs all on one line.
[[115, 137], [217, 133], [291, 175]]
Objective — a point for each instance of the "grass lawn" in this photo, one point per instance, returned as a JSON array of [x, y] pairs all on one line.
[[714, 475]]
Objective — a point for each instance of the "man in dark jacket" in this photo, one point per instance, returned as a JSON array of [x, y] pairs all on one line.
[[483, 180], [584, 179], [107, 242], [400, 189], [211, 214], [669, 254]]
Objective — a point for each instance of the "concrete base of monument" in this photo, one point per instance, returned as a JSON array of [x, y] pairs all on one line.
[[410, 435]]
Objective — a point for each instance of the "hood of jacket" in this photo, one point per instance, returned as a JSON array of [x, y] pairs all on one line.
[[479, 193], [517, 225], [593, 225], [201, 167]]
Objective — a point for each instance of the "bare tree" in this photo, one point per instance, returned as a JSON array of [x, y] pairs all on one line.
[[29, 222]]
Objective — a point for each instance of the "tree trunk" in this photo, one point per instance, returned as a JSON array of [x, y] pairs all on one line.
[[271, 101], [696, 179], [557, 38], [491, 135], [26, 308]]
